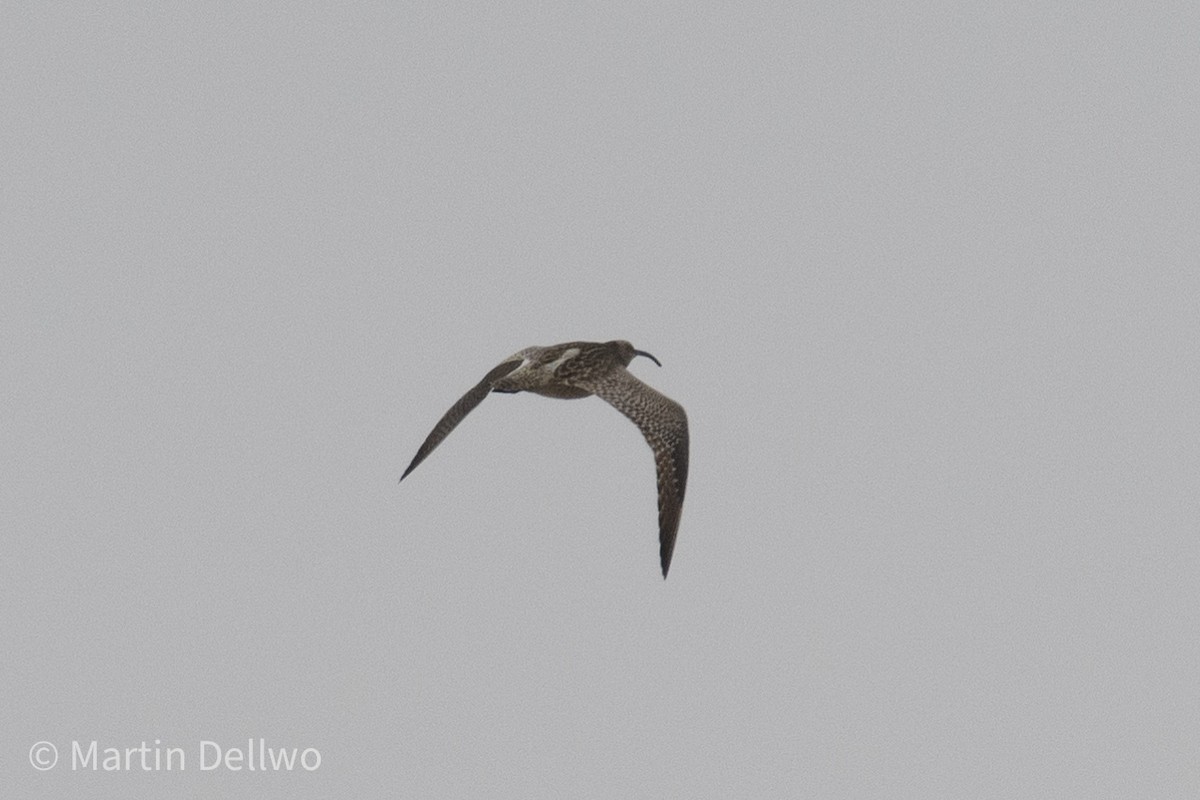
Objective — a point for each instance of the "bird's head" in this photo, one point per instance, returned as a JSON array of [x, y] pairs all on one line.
[[627, 352]]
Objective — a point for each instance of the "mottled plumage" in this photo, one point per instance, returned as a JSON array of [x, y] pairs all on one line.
[[579, 369]]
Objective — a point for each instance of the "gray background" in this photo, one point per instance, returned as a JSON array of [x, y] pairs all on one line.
[[925, 279]]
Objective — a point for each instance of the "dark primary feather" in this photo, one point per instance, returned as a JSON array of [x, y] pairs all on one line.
[[457, 411]]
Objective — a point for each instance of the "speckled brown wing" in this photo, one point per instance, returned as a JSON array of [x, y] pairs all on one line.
[[459, 410], [664, 424]]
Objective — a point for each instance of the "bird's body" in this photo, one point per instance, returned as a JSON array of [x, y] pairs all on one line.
[[579, 369]]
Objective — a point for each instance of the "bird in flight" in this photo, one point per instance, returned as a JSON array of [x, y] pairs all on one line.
[[580, 369]]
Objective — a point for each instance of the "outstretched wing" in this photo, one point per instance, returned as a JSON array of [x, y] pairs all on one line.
[[459, 410], [664, 424]]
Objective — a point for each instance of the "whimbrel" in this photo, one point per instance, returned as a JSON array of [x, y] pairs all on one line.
[[579, 369]]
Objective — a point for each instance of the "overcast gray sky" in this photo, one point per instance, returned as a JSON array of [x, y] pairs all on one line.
[[925, 278]]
